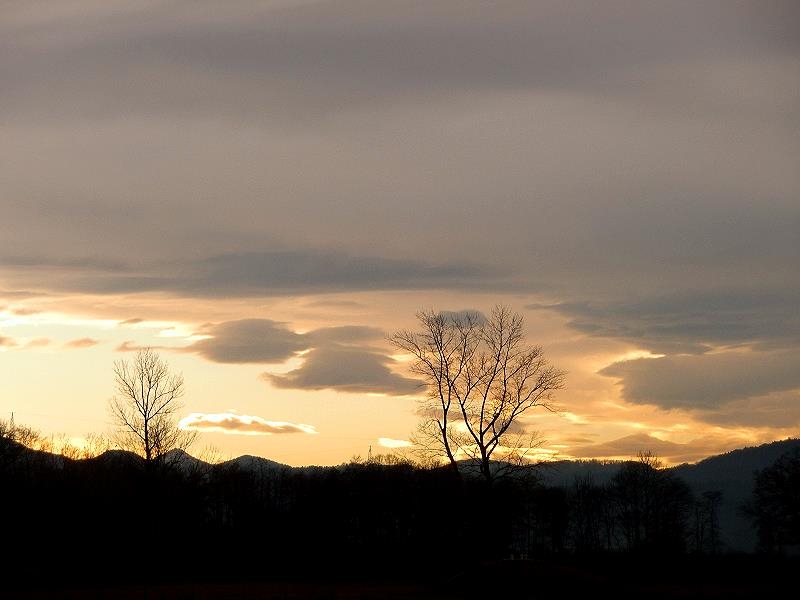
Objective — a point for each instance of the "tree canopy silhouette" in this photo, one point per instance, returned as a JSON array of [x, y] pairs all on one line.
[[146, 405], [775, 507], [481, 376]]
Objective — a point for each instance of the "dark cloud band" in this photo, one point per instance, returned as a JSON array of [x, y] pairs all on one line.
[[693, 321]]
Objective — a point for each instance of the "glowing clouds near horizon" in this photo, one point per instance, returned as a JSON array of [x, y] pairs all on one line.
[[256, 199], [233, 423], [392, 443], [84, 342]]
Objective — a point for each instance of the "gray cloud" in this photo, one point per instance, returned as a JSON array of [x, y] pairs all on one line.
[[328, 55], [271, 273], [49, 262], [315, 271], [620, 145], [339, 358], [634, 161], [346, 334], [707, 381], [266, 341], [346, 369], [692, 321], [328, 303], [777, 409], [249, 341]]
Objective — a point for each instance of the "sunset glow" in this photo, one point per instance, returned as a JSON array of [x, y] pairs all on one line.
[[264, 198]]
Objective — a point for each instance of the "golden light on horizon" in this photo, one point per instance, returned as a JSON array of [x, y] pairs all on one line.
[[267, 237]]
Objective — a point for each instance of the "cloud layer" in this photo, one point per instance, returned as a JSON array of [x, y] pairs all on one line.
[[249, 341], [234, 423], [355, 370], [304, 147], [336, 358], [693, 321], [708, 381], [631, 167]]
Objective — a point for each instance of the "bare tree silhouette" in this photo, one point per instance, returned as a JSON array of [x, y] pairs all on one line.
[[652, 505], [706, 522], [481, 377], [146, 406]]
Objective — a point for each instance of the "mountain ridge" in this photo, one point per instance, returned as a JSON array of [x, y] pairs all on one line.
[[731, 474]]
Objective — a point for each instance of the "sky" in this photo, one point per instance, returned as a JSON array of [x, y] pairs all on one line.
[[263, 191]]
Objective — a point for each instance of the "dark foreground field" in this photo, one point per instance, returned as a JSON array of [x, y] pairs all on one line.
[[735, 578], [112, 527], [247, 591]]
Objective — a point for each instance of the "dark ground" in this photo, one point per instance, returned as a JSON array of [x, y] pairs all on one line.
[[732, 577]]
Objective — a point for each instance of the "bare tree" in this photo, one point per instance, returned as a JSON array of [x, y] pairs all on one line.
[[146, 406], [652, 505], [706, 522], [481, 377]]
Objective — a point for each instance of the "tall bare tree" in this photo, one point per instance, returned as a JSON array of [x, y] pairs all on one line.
[[145, 408], [481, 377]]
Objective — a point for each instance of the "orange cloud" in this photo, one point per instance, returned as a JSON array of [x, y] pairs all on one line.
[[241, 424], [81, 343]]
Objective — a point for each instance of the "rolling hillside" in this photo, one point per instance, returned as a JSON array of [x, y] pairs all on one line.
[[731, 474]]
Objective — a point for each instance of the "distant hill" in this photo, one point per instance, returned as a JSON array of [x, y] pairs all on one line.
[[731, 473], [564, 473], [249, 462]]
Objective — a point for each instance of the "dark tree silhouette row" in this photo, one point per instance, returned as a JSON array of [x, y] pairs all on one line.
[[111, 518]]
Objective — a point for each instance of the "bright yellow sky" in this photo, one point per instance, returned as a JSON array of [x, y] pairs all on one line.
[[59, 379]]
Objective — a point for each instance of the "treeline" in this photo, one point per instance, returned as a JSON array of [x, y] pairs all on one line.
[[117, 518]]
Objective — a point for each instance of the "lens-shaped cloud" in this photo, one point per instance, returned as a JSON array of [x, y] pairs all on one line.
[[708, 381], [235, 423], [387, 442], [85, 342], [693, 321], [339, 358], [249, 341], [347, 369]]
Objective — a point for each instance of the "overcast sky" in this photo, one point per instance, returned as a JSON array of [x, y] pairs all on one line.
[[263, 190]]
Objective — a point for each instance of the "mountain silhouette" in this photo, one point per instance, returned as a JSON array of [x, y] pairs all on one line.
[[731, 473]]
